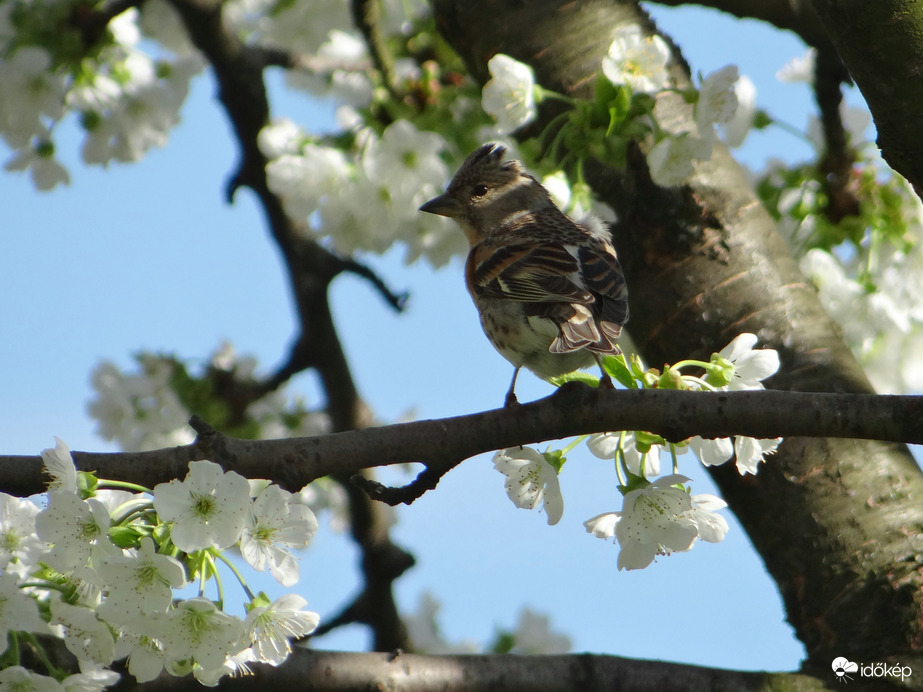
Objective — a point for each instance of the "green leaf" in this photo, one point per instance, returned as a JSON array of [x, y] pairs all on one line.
[[618, 369], [504, 643], [633, 482], [124, 536], [575, 376], [86, 484], [556, 458], [261, 600]]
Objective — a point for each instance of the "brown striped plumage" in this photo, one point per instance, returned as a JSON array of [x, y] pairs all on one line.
[[550, 292]]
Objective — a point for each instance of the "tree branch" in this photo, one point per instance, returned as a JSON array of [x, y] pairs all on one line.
[[324, 671], [797, 16], [575, 409], [836, 164], [881, 44], [239, 72]]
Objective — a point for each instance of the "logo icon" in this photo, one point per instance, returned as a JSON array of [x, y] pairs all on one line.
[[842, 667]]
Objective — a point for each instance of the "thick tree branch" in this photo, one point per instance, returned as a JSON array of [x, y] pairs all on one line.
[[575, 409], [836, 164], [324, 671], [797, 16], [881, 44]]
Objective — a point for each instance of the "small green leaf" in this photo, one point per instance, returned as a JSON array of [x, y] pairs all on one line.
[[618, 368], [504, 643], [633, 482], [575, 376], [124, 536], [86, 484], [556, 458]]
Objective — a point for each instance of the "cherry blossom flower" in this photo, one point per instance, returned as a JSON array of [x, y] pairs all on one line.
[[18, 611], [717, 98], [20, 547], [274, 524], [139, 582], [750, 366], [59, 464], [208, 508], [270, 627], [530, 480], [637, 60], [197, 630], [659, 519], [509, 95]]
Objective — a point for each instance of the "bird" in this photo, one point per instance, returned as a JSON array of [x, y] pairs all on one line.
[[550, 291]]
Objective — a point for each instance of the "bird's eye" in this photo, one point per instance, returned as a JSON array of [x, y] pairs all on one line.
[[479, 190]]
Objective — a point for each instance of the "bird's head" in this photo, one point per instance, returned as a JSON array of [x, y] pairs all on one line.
[[488, 191]]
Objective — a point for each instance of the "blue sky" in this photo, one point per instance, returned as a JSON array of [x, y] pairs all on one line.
[[148, 256]]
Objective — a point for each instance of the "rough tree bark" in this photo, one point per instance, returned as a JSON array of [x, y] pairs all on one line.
[[839, 523]]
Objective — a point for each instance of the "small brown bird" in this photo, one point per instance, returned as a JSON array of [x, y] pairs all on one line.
[[550, 292]]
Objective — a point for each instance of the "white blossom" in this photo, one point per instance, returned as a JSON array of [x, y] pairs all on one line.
[[654, 521], [18, 610], [637, 60], [74, 526], [671, 160], [712, 526], [198, 630], [140, 411], [19, 679], [717, 98], [509, 95], [531, 480], [85, 636], [45, 170], [275, 524], [407, 161], [139, 582], [59, 464], [750, 366], [533, 636], [20, 547], [31, 92], [605, 445], [750, 452], [271, 627], [736, 129], [659, 519], [799, 69], [208, 508], [712, 452], [90, 679]]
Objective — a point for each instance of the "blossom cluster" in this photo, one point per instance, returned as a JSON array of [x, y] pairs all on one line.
[[367, 201], [125, 100], [149, 408], [867, 265], [100, 568], [532, 634], [659, 516]]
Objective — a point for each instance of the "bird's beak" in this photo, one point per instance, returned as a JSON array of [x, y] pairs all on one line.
[[443, 205]]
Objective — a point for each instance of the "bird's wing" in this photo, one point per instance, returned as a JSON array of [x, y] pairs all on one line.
[[528, 272], [603, 278]]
